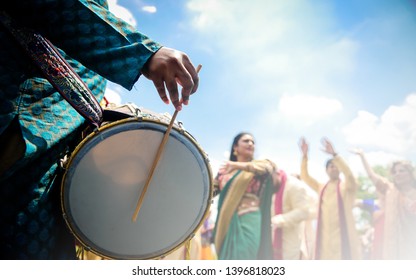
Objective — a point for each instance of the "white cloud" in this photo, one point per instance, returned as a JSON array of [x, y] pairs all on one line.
[[307, 109], [149, 9], [121, 12], [394, 131], [276, 47]]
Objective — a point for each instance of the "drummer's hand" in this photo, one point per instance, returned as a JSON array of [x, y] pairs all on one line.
[[168, 68]]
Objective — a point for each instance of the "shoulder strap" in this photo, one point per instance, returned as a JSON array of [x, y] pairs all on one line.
[[56, 70]]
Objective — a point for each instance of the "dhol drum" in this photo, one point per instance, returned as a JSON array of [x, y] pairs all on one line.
[[106, 174]]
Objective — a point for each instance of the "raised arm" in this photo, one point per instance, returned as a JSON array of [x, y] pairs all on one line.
[[304, 173], [379, 181]]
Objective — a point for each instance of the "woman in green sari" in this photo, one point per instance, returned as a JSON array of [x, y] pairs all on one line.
[[242, 230]]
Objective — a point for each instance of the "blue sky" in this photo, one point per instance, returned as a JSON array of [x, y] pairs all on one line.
[[285, 69]]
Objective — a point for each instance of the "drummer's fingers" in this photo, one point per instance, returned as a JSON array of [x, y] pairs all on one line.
[[193, 72], [185, 79], [160, 87], [186, 91], [172, 87]]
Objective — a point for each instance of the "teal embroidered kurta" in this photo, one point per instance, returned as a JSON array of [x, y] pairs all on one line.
[[99, 47]]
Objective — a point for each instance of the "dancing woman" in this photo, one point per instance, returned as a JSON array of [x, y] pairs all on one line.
[[245, 185]]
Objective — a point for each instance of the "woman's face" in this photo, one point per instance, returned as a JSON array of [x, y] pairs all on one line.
[[245, 147], [402, 177]]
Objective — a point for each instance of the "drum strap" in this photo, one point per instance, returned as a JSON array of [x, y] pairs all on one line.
[[56, 70]]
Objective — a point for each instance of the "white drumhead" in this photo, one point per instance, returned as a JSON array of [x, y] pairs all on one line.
[[104, 180]]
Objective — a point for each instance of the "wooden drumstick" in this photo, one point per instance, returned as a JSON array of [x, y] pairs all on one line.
[[156, 160]]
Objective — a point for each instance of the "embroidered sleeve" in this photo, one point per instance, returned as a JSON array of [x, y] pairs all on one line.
[[89, 33]]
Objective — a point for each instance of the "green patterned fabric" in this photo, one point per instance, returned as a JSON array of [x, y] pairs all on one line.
[[243, 237], [249, 235], [99, 47]]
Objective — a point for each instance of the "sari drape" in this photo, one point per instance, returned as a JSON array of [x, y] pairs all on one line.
[[246, 236]]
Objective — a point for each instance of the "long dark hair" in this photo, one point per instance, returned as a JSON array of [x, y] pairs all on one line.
[[235, 142]]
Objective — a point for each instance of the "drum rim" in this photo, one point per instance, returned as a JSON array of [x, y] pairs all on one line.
[[92, 135]]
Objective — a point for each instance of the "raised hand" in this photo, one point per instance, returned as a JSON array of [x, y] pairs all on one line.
[[357, 151], [328, 147], [304, 146]]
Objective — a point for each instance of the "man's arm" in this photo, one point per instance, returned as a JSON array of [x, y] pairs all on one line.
[[300, 205], [304, 175]]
